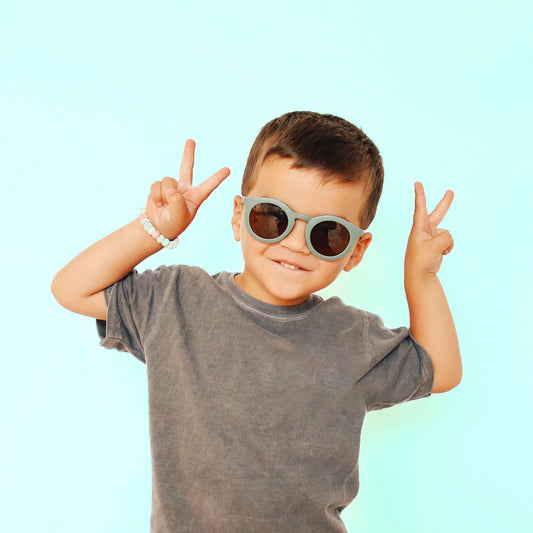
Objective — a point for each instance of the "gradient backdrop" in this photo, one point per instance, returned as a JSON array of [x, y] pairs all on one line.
[[97, 100]]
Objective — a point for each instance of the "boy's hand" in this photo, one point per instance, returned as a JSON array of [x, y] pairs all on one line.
[[431, 321], [427, 243], [172, 205]]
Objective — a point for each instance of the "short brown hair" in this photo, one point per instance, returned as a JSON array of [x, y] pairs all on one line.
[[326, 143]]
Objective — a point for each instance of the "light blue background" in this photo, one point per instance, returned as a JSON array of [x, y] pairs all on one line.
[[97, 100]]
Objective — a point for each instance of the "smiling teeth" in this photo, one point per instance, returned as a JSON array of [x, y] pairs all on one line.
[[286, 265]]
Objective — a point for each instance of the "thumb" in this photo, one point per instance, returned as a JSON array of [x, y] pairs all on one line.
[[443, 242], [170, 191], [177, 206]]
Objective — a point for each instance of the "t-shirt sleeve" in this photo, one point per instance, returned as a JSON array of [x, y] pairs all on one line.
[[401, 368], [132, 310]]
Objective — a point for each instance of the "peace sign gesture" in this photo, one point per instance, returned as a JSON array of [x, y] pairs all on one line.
[[427, 242], [172, 205]]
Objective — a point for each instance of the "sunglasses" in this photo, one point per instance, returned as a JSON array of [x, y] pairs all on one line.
[[327, 237]]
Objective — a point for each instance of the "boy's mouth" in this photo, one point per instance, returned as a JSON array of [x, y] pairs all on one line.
[[290, 266]]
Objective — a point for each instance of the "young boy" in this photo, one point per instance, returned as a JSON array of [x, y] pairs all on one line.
[[257, 386]]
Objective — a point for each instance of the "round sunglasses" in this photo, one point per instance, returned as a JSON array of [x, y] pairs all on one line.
[[327, 236]]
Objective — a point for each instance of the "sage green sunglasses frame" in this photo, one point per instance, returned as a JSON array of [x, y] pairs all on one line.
[[251, 201]]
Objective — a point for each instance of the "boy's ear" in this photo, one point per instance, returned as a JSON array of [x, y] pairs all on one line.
[[236, 219], [358, 251]]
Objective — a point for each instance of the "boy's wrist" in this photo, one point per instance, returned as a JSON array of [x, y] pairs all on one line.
[[152, 231], [143, 239], [415, 283]]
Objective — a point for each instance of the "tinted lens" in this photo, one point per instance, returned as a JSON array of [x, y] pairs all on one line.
[[268, 220], [330, 238]]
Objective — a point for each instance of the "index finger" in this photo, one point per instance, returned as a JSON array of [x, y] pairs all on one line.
[[187, 162], [420, 202], [438, 213]]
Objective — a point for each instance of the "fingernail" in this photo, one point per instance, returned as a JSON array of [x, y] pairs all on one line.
[[159, 204]]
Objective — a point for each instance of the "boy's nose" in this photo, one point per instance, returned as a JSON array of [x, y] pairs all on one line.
[[295, 240]]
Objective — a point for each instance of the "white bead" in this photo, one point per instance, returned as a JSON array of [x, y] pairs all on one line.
[[150, 229]]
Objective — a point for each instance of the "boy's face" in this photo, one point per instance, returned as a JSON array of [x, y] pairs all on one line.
[[269, 274]]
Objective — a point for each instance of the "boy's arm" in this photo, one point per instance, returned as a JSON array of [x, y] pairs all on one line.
[[171, 207], [431, 322], [79, 286]]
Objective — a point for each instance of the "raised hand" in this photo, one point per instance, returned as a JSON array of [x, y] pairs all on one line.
[[427, 242], [172, 205]]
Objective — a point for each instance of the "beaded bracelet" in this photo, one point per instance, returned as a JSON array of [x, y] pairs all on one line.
[[149, 227]]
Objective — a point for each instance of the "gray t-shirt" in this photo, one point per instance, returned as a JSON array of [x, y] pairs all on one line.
[[255, 410]]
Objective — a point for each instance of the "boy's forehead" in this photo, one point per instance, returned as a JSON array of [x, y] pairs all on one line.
[[308, 190]]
